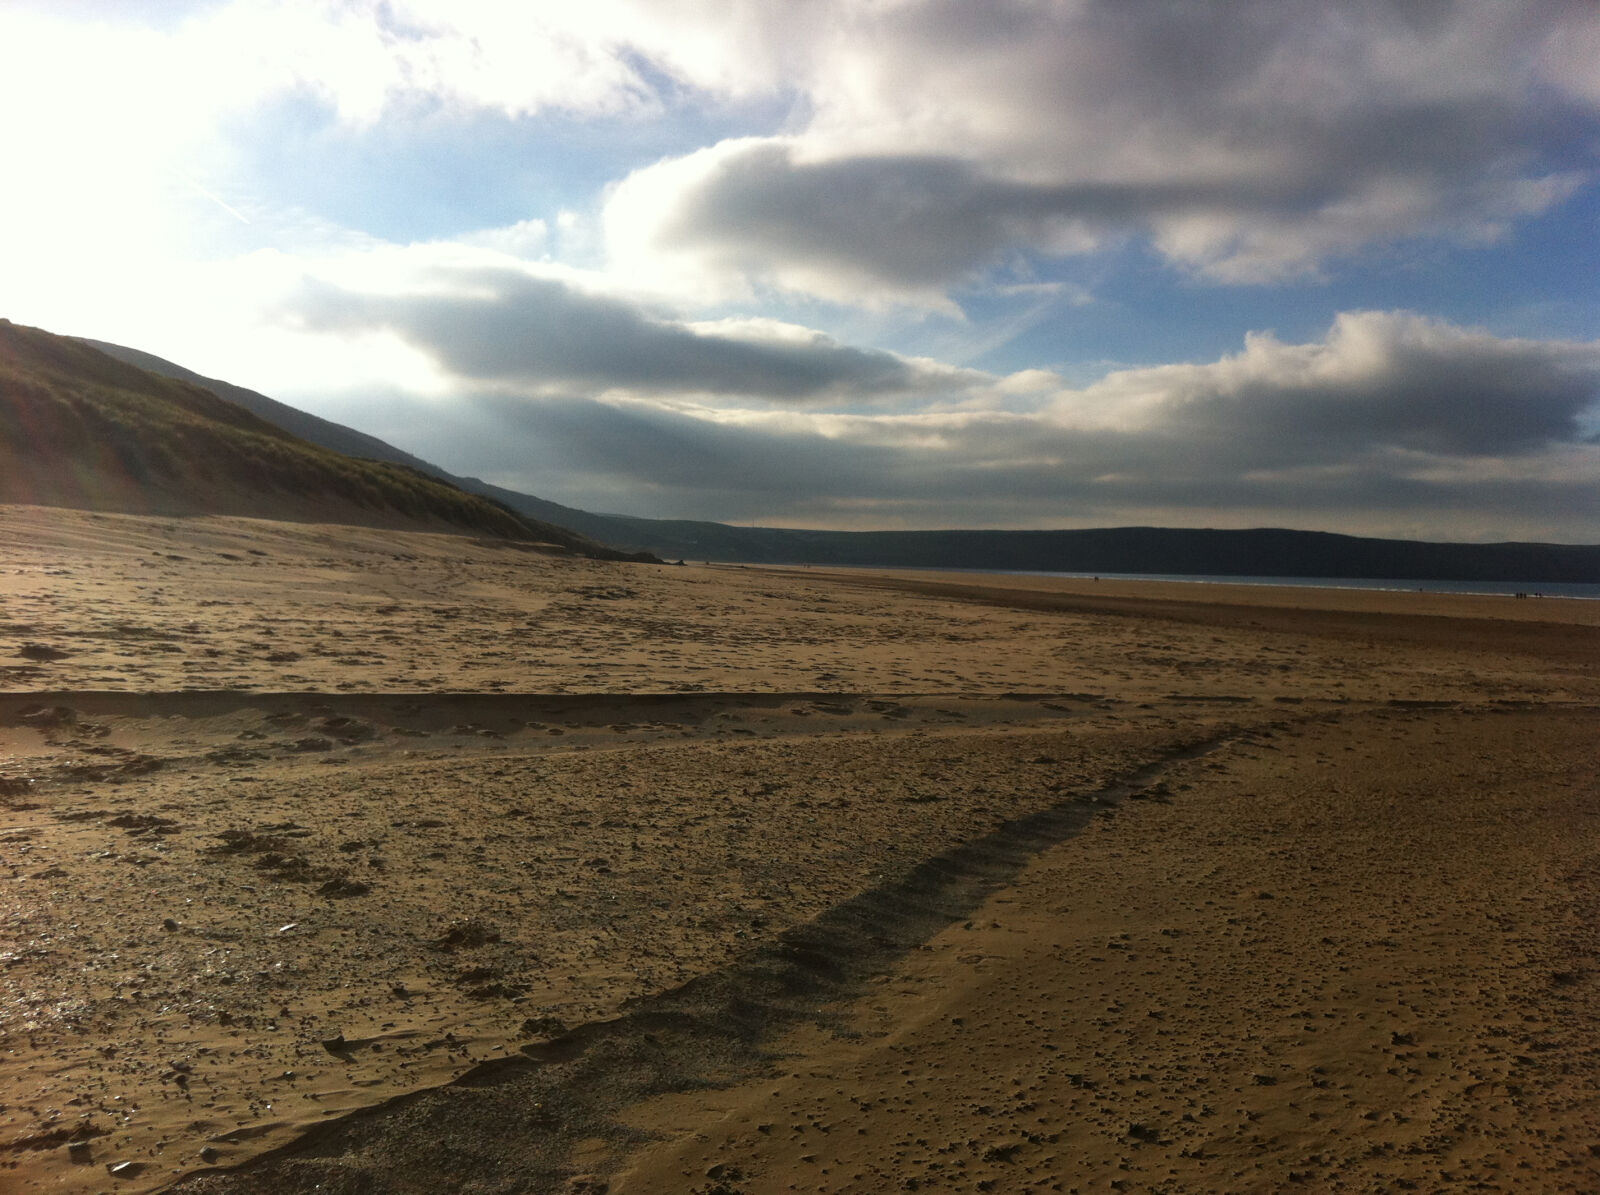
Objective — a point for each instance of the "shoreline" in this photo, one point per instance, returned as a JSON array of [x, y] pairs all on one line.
[[1510, 589], [1551, 608]]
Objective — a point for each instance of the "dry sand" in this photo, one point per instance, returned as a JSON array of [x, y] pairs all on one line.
[[1368, 982], [359, 860]]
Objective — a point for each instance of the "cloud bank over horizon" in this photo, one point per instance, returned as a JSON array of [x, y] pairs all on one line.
[[1399, 421], [856, 262]]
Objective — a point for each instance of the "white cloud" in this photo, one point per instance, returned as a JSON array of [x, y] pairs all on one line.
[[1247, 143], [528, 239], [930, 140]]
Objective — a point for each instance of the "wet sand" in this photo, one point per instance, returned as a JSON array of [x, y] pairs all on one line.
[[390, 862]]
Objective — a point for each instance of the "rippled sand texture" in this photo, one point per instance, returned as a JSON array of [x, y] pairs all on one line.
[[596, 876]]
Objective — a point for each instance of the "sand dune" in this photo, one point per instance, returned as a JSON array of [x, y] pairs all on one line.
[[389, 861]]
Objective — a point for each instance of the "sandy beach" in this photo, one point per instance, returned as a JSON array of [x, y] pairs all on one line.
[[358, 860]]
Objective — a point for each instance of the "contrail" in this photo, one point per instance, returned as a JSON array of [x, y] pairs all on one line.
[[216, 199]]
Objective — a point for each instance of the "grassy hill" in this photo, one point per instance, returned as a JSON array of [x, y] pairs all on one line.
[[82, 429]]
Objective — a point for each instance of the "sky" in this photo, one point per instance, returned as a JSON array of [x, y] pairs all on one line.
[[1331, 264]]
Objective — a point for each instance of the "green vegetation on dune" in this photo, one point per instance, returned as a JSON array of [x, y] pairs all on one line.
[[79, 428]]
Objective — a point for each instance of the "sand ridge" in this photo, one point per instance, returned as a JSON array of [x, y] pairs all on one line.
[[1243, 988], [429, 894]]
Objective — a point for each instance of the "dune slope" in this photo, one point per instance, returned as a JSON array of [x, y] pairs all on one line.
[[81, 429]]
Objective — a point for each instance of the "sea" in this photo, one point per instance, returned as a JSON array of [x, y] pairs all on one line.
[[1570, 589]]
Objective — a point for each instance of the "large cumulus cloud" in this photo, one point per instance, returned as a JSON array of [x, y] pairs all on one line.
[[1245, 142]]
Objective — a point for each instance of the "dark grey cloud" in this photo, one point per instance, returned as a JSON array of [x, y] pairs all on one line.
[[673, 464], [506, 326], [919, 221], [1245, 141], [1390, 423]]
